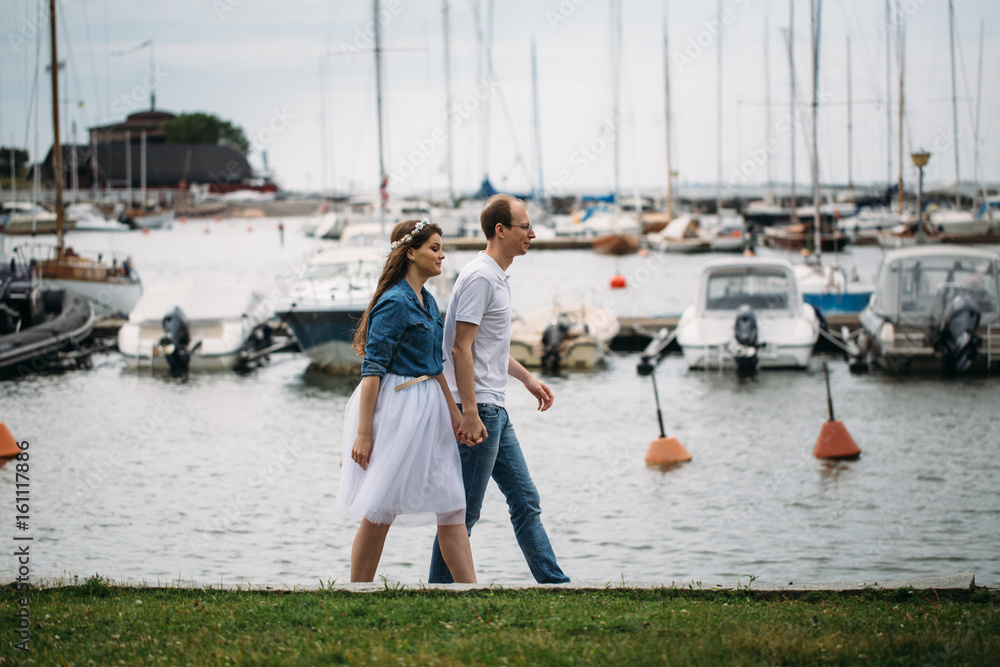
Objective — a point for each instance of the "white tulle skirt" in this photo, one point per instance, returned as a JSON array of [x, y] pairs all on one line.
[[415, 473]]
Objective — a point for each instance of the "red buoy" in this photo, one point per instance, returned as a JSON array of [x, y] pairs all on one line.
[[618, 281]]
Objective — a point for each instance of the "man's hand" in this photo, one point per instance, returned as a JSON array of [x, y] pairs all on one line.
[[471, 431], [541, 391]]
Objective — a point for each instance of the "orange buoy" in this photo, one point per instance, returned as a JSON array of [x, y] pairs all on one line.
[[218, 218], [8, 445], [208, 230], [618, 281], [665, 451], [182, 219], [250, 228], [145, 231], [834, 441]]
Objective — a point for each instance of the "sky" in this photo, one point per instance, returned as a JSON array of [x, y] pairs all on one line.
[[299, 78]]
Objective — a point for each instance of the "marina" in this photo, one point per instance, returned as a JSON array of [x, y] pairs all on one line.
[[179, 361], [241, 469]]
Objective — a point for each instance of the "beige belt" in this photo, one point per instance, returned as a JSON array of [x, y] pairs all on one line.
[[413, 381]]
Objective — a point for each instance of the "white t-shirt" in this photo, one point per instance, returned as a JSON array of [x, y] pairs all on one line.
[[481, 296]]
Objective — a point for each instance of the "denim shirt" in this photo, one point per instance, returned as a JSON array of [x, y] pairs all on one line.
[[404, 337]]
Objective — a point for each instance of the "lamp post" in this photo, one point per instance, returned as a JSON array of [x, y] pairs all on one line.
[[920, 159]]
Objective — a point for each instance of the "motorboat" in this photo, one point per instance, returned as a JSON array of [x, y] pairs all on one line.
[[29, 218], [801, 235], [682, 234], [197, 325], [934, 306], [111, 283], [326, 301], [571, 337], [760, 213], [729, 233], [40, 329], [748, 313]]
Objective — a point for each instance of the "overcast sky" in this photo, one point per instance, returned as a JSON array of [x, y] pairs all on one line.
[[293, 73]]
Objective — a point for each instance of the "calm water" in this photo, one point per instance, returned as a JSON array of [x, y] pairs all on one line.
[[222, 478]]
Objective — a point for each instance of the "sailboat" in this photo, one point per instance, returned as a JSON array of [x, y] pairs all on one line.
[[112, 287], [619, 242]]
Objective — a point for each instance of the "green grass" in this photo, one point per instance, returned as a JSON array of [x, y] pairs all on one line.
[[95, 623]]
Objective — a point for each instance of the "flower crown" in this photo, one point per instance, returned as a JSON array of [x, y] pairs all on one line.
[[409, 237]]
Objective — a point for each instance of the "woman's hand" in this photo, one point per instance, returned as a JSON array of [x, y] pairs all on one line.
[[456, 417], [361, 452]]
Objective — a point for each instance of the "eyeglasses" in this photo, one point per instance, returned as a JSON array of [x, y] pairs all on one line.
[[528, 227]]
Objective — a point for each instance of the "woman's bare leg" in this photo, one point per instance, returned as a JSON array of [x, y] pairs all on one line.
[[367, 550], [457, 552]]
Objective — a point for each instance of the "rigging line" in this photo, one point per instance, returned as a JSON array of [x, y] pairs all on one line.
[[90, 44], [854, 23], [76, 75]]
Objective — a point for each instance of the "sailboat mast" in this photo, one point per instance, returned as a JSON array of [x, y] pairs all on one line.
[[902, 75], [718, 119], [769, 196], [791, 103], [540, 196], [447, 98], [816, 9], [616, 63], [383, 185], [57, 166], [888, 93], [666, 92], [954, 99], [850, 123]]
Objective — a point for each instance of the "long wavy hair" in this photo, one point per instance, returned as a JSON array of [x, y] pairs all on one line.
[[393, 271]]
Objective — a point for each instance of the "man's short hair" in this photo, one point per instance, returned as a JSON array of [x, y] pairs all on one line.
[[497, 211]]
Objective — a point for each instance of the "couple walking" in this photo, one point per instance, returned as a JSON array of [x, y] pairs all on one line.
[[417, 450]]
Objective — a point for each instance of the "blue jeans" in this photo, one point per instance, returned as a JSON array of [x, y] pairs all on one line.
[[499, 456]]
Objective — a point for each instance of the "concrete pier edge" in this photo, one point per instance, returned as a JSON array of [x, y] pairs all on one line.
[[961, 583]]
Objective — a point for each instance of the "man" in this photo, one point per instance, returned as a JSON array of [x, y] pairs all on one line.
[[477, 362]]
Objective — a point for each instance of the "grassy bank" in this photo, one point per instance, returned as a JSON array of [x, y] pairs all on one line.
[[99, 624]]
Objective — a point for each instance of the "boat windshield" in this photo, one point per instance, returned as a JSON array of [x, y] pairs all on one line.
[[759, 290], [927, 284]]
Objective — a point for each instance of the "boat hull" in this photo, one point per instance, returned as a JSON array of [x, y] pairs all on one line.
[[35, 348], [110, 299], [326, 336]]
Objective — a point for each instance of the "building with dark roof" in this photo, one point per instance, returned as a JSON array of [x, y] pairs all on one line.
[[114, 159]]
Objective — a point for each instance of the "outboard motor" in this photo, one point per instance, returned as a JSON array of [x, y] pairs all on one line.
[[745, 343], [552, 338], [176, 340], [955, 336]]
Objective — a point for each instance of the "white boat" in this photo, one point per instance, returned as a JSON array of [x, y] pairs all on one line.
[[198, 325], [89, 218], [727, 234], [682, 234], [984, 221], [832, 289], [328, 299], [574, 336], [748, 313], [934, 306], [22, 218]]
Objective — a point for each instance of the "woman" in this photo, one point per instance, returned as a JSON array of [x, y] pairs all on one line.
[[400, 459]]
